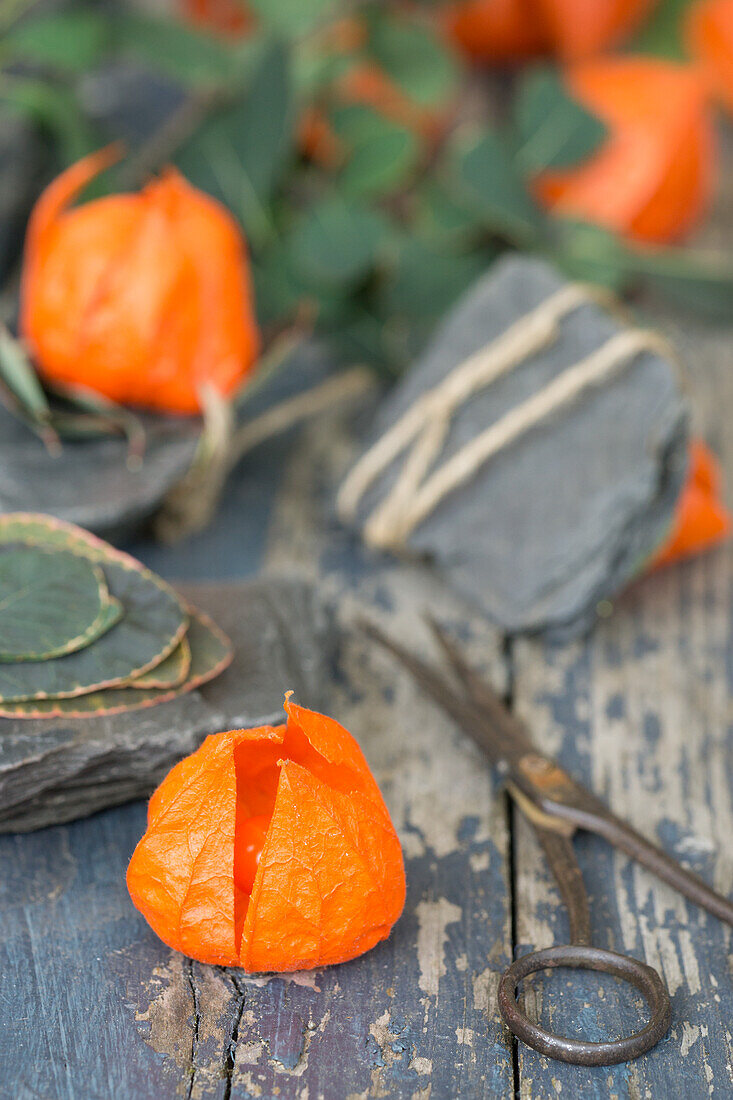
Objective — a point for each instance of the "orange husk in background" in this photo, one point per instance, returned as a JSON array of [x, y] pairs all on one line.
[[701, 519], [143, 297], [506, 31], [270, 849], [652, 177], [497, 31], [225, 16], [709, 39], [582, 28]]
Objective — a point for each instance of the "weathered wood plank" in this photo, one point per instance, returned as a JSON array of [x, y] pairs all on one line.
[[641, 713]]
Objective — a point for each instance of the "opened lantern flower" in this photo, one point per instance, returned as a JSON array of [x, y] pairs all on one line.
[[143, 297], [270, 849], [652, 177]]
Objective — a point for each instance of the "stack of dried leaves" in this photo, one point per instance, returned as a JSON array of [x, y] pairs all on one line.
[[87, 630]]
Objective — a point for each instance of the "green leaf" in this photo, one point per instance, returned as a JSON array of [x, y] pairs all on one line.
[[72, 41], [414, 57], [278, 291], [381, 155], [54, 109], [662, 33], [169, 673], [336, 242], [51, 603], [698, 282], [590, 253], [552, 130], [292, 18], [426, 281], [19, 376], [240, 151], [211, 653], [189, 55], [487, 181], [151, 627], [439, 216]]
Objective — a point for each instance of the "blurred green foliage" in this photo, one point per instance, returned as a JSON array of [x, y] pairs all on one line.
[[370, 230]]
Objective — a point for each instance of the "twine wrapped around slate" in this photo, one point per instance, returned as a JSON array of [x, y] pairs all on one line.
[[534, 454]]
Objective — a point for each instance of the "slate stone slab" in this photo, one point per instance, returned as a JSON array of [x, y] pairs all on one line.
[[566, 514], [61, 769], [89, 483], [21, 163]]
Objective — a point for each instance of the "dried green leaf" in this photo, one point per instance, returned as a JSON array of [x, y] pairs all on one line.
[[211, 653], [169, 673], [152, 625], [52, 602]]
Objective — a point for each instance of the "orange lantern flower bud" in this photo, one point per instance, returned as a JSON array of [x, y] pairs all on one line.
[[226, 16], [709, 37], [143, 297], [515, 30], [497, 30], [652, 177], [583, 28], [270, 849], [701, 520]]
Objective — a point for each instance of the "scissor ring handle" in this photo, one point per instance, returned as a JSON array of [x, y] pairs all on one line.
[[577, 1051]]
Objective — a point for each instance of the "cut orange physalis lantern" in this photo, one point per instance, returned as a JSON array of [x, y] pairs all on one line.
[[652, 176], [270, 849], [701, 520], [143, 297]]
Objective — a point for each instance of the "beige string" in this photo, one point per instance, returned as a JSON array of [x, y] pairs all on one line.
[[528, 335], [414, 496]]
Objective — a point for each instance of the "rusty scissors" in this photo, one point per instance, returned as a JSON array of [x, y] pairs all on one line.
[[557, 807]]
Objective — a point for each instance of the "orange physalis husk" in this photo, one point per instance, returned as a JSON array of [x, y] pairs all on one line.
[[270, 849], [701, 520], [498, 31], [709, 38], [143, 297], [583, 28], [653, 175], [230, 17], [515, 30]]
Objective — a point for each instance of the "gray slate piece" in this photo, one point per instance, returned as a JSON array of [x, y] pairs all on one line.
[[21, 163], [89, 483], [57, 770], [565, 515]]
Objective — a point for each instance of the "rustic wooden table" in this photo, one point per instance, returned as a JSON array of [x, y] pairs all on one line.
[[94, 1006]]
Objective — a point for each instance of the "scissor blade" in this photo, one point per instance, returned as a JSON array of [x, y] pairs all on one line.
[[494, 740], [482, 694]]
